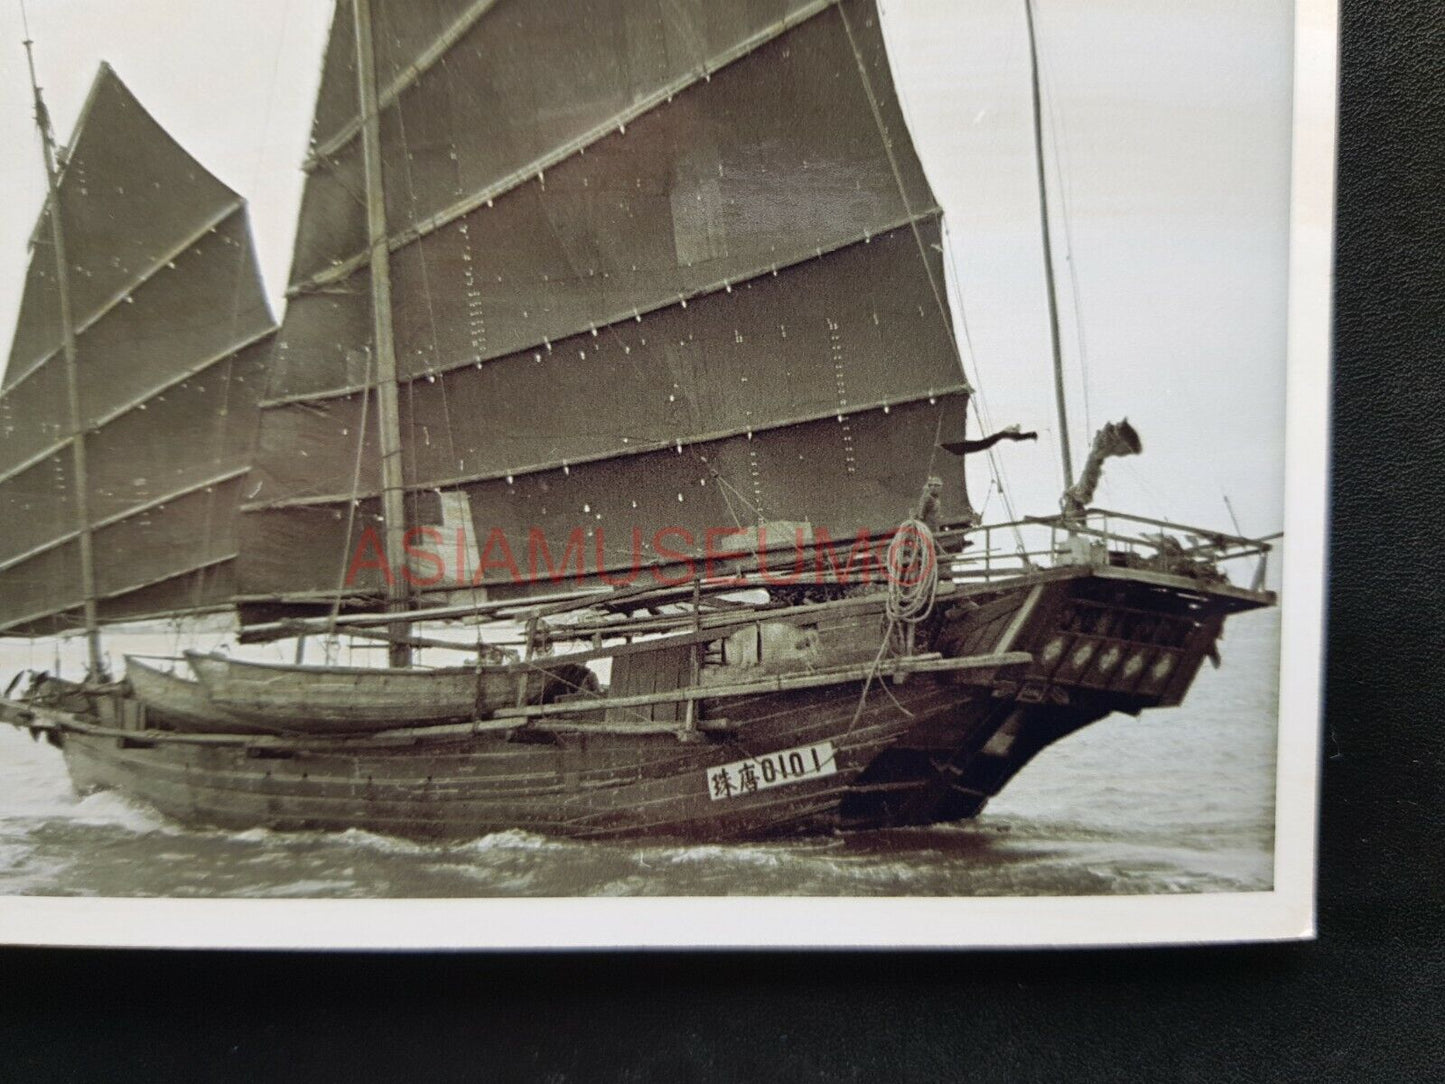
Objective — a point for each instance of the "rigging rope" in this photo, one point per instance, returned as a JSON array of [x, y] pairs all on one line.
[[1060, 146], [928, 267], [355, 498], [893, 163], [977, 400]]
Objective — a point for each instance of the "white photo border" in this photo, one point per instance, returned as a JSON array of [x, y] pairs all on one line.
[[1287, 912]]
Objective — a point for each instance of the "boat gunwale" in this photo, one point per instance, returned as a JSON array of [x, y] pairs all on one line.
[[363, 671]]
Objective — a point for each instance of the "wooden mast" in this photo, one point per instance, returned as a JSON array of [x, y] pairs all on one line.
[[80, 482], [1059, 398], [393, 505]]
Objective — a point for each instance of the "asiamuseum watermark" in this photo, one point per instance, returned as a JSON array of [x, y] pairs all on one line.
[[671, 556]]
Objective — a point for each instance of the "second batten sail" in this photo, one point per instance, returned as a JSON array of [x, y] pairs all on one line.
[[171, 340], [654, 265]]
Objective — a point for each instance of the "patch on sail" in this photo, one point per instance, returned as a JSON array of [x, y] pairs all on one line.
[[699, 234]]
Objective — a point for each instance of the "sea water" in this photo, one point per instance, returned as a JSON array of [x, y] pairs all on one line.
[[1178, 800]]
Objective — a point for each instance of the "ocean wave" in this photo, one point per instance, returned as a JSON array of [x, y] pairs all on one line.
[[740, 855], [303, 889], [375, 841], [252, 835], [12, 854], [635, 885], [514, 839], [106, 808]]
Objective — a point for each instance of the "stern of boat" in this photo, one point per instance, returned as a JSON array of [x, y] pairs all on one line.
[[1114, 623]]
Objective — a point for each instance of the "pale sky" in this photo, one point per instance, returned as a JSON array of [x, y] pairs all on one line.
[[1167, 123]]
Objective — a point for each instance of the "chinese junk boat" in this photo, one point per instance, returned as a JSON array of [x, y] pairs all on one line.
[[652, 362]]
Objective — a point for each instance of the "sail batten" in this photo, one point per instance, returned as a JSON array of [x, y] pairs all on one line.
[[537, 167], [811, 475], [420, 184], [125, 604], [772, 162], [129, 513], [203, 566], [814, 341], [643, 253], [395, 87], [523, 470], [616, 318], [128, 289], [116, 413], [172, 337]]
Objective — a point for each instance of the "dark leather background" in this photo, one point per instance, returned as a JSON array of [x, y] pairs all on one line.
[[1364, 1002]]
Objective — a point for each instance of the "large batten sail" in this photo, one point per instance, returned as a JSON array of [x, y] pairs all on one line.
[[655, 263], [172, 340]]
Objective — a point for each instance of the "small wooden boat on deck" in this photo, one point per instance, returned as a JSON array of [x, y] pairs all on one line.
[[358, 699]]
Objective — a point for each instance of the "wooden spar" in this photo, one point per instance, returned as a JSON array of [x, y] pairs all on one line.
[[709, 632], [639, 647], [620, 594], [561, 602], [1060, 399], [929, 664], [280, 630], [468, 647], [497, 610], [81, 492], [694, 655], [393, 492], [724, 621]]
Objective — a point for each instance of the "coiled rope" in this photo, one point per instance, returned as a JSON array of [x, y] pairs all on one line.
[[911, 564], [912, 567]]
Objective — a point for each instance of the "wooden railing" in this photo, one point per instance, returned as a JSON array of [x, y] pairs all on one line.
[[1099, 537]]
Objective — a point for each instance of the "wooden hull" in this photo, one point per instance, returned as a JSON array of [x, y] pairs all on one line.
[[573, 784], [931, 748], [351, 700]]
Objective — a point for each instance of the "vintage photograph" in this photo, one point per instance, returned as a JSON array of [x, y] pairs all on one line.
[[507, 450]]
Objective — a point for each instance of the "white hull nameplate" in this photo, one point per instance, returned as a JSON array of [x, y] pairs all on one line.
[[743, 777]]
